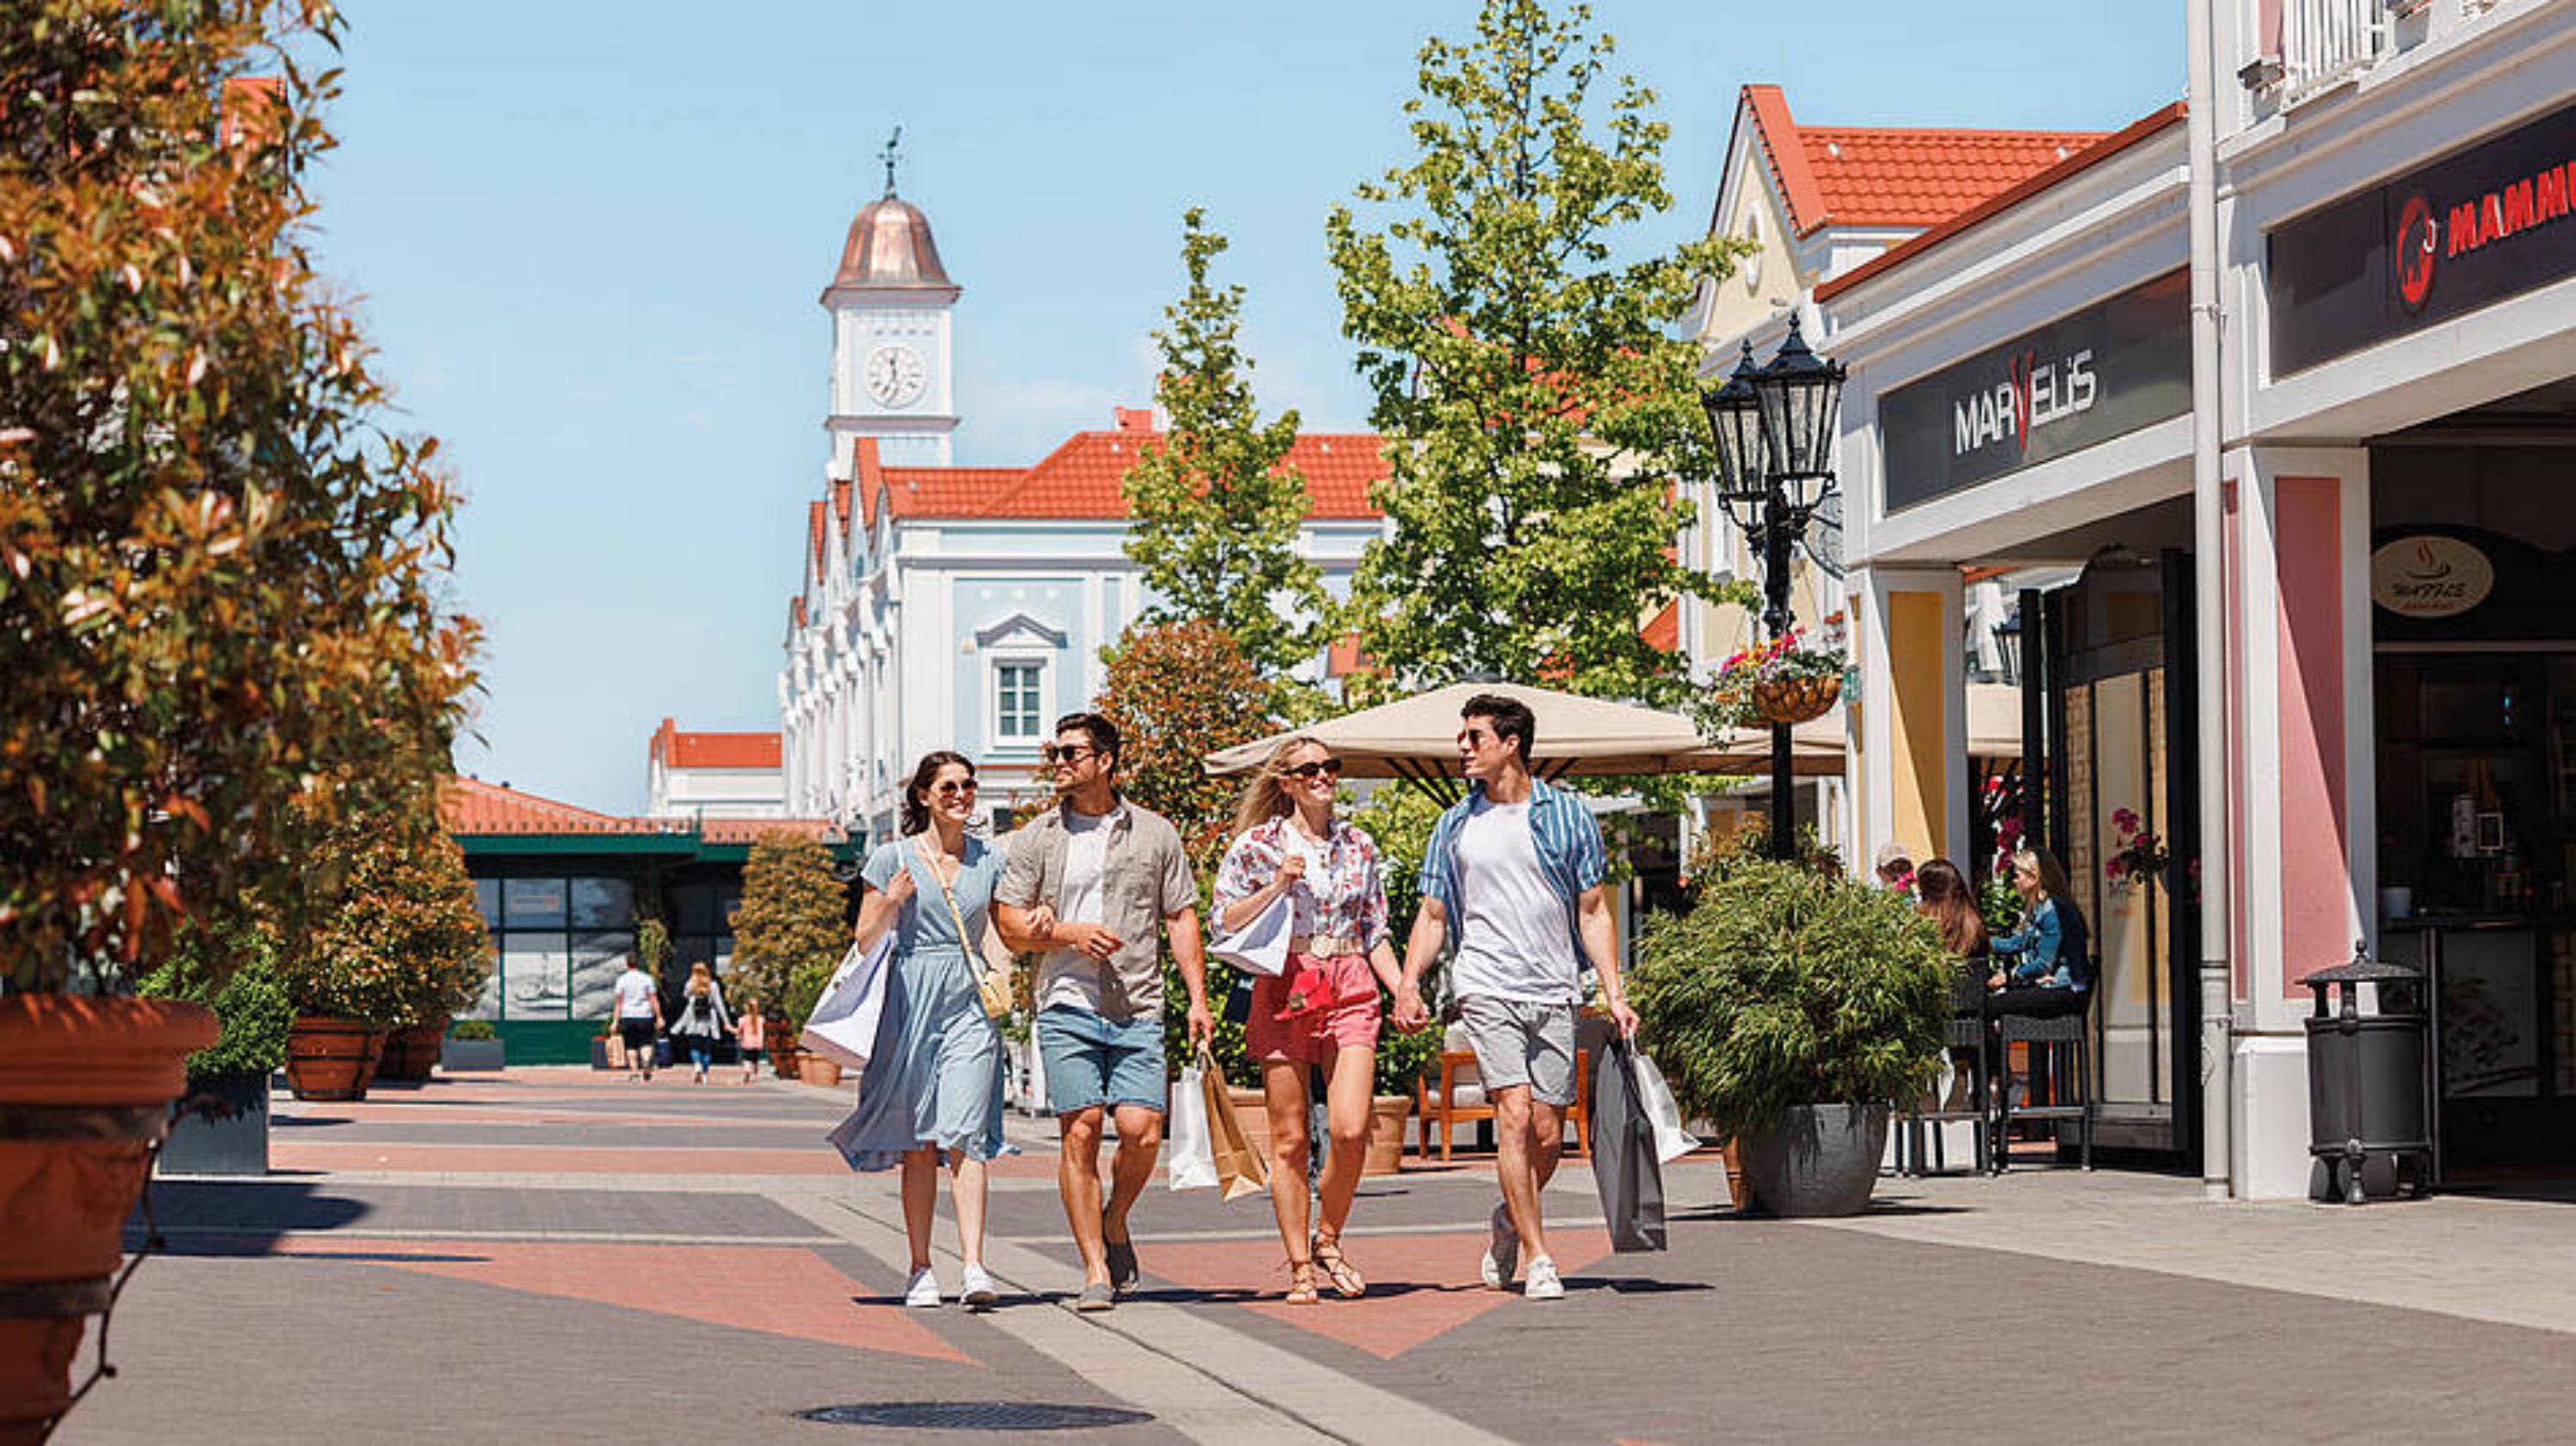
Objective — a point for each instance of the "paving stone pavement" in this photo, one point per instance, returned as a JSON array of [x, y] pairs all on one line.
[[560, 1256]]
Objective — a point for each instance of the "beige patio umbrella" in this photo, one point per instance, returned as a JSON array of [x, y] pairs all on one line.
[[1416, 738]]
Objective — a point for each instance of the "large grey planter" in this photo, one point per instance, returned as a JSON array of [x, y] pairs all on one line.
[[231, 1139], [1819, 1160], [459, 1054]]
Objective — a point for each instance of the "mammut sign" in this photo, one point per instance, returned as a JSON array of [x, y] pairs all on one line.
[[2111, 368], [2444, 240]]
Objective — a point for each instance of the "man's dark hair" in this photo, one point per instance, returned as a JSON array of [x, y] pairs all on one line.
[[1098, 731], [1510, 718]]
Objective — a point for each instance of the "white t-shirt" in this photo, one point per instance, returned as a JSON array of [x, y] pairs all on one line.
[[1317, 884], [1073, 977], [634, 995], [1512, 940]]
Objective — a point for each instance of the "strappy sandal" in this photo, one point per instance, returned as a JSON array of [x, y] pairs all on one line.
[[1301, 1283], [1347, 1282]]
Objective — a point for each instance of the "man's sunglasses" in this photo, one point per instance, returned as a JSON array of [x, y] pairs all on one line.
[[1053, 754], [1321, 768], [952, 788]]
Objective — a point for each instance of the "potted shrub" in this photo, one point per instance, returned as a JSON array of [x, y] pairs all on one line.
[[1787, 1009], [221, 1124], [223, 573], [425, 899], [789, 934], [472, 1044], [804, 991]]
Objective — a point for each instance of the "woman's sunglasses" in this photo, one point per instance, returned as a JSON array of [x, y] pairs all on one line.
[[1321, 768], [953, 788]]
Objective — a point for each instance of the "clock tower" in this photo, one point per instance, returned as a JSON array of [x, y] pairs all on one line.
[[890, 302]]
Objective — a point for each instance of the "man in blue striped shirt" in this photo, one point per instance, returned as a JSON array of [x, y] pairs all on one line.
[[1515, 869]]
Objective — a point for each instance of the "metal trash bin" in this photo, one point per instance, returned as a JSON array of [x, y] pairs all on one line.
[[2368, 1090]]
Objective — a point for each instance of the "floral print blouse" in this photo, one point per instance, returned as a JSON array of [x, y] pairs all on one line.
[[1348, 901]]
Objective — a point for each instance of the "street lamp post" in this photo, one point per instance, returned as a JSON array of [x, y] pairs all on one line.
[[1774, 426]]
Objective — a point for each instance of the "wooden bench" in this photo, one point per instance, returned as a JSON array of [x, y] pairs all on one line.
[[1458, 1097]]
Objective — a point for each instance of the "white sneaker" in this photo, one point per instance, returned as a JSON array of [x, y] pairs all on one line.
[[976, 1288], [1503, 1252], [924, 1290], [1542, 1283]]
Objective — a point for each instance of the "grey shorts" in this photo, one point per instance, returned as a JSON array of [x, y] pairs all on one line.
[[1521, 1043]]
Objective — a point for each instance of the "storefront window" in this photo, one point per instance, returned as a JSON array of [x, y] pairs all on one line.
[[536, 976], [532, 903], [597, 960], [487, 900], [602, 904]]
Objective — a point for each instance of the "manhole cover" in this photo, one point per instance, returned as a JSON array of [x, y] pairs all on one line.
[[973, 1416]]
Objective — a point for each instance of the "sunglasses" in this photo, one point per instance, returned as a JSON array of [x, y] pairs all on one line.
[[951, 788], [1321, 768], [1053, 754]]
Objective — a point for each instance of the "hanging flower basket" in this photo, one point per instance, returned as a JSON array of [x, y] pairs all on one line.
[[1796, 700], [1787, 680]]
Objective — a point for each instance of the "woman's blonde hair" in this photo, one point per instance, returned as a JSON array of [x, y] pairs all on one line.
[[1264, 798], [701, 979], [2052, 875]]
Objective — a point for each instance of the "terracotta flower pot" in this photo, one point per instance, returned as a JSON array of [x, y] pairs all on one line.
[[85, 1091], [412, 1054], [331, 1059], [816, 1069], [1387, 1114]]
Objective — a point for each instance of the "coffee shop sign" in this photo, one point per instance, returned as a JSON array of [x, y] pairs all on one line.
[[2031, 394], [2430, 576]]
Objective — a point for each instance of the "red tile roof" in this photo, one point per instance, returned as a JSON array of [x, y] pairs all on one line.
[[2150, 125], [469, 806], [1664, 632], [675, 749], [1890, 176]]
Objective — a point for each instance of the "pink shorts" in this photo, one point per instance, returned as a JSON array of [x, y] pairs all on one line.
[[1311, 1038]]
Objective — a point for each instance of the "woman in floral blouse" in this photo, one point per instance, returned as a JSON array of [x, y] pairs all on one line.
[[1323, 1007]]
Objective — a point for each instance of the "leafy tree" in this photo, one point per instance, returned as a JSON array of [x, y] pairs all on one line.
[[383, 926], [1538, 404], [1179, 692], [794, 917], [220, 576], [1215, 507]]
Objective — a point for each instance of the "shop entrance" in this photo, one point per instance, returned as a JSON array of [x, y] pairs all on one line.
[[2108, 735], [2474, 637]]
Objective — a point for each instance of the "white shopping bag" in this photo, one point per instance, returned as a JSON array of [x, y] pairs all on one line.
[[1260, 947], [1188, 1147], [1671, 1140], [844, 1023]]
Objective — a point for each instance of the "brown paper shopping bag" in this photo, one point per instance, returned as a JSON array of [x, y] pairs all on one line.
[[1240, 1169]]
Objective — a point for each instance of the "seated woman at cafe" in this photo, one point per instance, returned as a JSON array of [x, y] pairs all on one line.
[[2050, 957], [1942, 894]]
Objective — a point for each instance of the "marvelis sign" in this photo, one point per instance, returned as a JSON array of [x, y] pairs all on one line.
[[2085, 378], [2462, 233]]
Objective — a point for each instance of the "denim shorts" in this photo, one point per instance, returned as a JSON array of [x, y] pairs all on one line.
[[1093, 1061]]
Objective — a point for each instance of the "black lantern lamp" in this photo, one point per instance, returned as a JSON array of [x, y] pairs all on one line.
[[1801, 395], [1743, 457]]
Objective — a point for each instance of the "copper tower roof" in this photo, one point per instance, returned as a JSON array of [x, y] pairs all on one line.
[[890, 246]]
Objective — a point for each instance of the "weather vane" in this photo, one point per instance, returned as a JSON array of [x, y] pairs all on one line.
[[888, 156]]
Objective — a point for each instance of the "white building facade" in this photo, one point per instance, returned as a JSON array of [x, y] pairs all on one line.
[[697, 775]]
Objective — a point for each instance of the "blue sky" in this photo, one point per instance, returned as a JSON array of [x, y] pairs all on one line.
[[587, 241]]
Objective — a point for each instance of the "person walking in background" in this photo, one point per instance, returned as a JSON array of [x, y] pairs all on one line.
[[703, 1019], [1322, 1008], [1088, 884], [932, 1090], [1514, 870], [1942, 895], [750, 1036], [639, 1018]]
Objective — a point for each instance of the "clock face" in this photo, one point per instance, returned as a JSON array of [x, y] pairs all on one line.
[[895, 375]]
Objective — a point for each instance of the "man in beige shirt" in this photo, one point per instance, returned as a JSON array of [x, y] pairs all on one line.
[[1087, 884]]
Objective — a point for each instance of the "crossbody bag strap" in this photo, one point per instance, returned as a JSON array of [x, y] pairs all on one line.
[[945, 891]]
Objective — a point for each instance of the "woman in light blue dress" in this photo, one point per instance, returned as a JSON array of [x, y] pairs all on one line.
[[933, 1083]]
